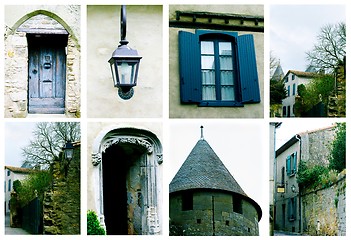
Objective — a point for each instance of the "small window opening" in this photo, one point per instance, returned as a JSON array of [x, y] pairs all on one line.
[[187, 201], [227, 223], [198, 221], [237, 204]]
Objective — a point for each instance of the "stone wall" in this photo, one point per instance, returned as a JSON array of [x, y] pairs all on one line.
[[315, 146], [61, 205], [337, 102], [212, 214], [16, 71], [324, 210]]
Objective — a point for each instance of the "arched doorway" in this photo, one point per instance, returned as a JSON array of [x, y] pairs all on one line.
[[126, 174], [123, 178], [47, 46]]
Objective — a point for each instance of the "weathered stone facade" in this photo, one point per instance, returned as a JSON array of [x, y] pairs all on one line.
[[46, 20], [125, 177], [315, 146], [61, 205], [212, 215], [324, 209], [337, 102]]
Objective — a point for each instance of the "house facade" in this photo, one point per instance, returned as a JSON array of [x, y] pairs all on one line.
[[216, 61], [145, 34], [12, 174], [313, 147], [125, 177], [42, 60], [272, 161], [292, 80], [286, 201]]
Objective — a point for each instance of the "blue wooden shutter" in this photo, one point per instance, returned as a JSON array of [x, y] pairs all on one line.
[[250, 90], [288, 168], [295, 162], [189, 67]]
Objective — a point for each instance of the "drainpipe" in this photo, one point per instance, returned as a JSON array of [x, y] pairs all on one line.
[[298, 137], [274, 197]]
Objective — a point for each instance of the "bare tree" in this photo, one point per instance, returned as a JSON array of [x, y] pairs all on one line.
[[330, 49], [48, 140]]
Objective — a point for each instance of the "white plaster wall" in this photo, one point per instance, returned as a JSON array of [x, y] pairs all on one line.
[[144, 33], [290, 101]]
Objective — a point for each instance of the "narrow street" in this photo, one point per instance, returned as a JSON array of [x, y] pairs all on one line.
[[13, 231]]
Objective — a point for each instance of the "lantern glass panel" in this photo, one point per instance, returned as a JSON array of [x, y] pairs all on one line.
[[69, 153], [114, 73], [127, 73]]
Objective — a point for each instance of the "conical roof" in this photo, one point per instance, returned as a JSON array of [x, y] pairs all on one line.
[[204, 170], [278, 73]]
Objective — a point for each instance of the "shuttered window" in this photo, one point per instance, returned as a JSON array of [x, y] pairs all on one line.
[[217, 68], [291, 164]]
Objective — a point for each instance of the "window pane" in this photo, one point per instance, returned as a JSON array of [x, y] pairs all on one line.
[[207, 62], [227, 78], [207, 47], [208, 85], [208, 92], [226, 63], [227, 93], [225, 48], [208, 77], [227, 85]]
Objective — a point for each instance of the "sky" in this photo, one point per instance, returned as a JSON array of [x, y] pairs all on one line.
[[239, 145], [289, 128], [294, 30], [17, 136]]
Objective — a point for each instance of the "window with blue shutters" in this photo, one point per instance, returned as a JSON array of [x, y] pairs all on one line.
[[217, 68], [291, 164], [288, 165]]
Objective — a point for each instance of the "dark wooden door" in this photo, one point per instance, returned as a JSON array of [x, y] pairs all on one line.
[[47, 75]]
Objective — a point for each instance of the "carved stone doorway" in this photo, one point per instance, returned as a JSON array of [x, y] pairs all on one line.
[[123, 178], [126, 173]]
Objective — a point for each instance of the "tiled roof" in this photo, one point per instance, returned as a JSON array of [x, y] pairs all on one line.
[[19, 169], [304, 74], [204, 170]]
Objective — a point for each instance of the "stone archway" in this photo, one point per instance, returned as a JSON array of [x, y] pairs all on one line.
[[127, 159], [43, 23]]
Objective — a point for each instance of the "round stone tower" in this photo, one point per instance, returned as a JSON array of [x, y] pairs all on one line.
[[206, 200]]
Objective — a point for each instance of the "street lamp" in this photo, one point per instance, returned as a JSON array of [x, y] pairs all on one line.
[[68, 150], [124, 63]]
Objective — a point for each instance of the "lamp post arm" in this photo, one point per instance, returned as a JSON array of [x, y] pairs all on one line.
[[123, 25]]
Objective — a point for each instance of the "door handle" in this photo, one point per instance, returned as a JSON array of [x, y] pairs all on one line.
[[47, 80], [47, 65]]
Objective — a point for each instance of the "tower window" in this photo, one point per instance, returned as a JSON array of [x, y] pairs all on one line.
[[237, 204], [187, 201]]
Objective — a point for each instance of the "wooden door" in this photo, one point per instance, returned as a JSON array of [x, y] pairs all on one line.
[[47, 75]]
